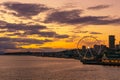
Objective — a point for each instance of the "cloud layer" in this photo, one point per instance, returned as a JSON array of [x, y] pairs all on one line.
[[30, 23], [25, 9], [95, 33], [98, 7], [16, 43], [27, 30], [74, 17], [30, 30]]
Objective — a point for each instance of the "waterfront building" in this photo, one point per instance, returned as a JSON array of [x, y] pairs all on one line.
[[117, 47]]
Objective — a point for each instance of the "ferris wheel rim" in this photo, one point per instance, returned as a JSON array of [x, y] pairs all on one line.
[[84, 38]]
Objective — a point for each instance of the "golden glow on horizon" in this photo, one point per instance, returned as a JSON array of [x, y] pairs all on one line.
[[31, 46], [60, 44], [63, 29]]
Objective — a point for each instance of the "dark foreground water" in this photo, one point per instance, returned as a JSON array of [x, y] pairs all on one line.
[[40, 68]]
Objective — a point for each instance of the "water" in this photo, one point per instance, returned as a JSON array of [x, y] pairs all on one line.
[[42, 68]]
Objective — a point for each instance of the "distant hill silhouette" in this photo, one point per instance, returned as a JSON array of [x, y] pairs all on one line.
[[61, 54]]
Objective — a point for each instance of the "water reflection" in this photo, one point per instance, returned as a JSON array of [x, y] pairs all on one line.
[[37, 68]]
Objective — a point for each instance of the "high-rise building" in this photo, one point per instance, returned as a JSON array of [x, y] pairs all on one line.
[[111, 41]]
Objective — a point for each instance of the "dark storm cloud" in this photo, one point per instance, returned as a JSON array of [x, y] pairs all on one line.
[[12, 43], [62, 36], [47, 34], [63, 16], [95, 33], [16, 33], [98, 7], [6, 45], [53, 34], [29, 30], [15, 27], [21, 40], [2, 22], [25, 9], [73, 17]]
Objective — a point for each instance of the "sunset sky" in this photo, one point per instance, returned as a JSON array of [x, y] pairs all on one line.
[[54, 25]]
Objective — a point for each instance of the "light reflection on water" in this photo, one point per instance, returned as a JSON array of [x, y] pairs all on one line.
[[39, 68]]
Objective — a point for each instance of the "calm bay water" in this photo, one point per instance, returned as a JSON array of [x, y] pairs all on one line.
[[42, 68]]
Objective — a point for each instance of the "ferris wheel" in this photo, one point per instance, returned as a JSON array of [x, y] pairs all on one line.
[[88, 47]]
